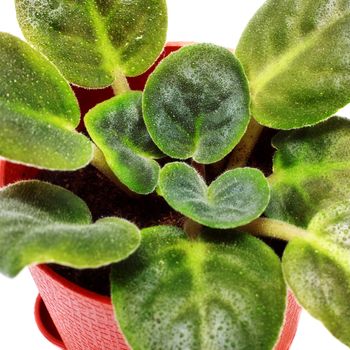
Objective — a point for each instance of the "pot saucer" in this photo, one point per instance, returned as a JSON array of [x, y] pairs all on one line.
[[46, 325]]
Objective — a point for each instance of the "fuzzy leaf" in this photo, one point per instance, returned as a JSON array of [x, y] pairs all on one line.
[[295, 54], [91, 41], [118, 129], [234, 199], [199, 294], [196, 103], [41, 223], [38, 111], [318, 269], [311, 171]]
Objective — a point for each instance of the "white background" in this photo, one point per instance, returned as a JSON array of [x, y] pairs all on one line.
[[220, 22]]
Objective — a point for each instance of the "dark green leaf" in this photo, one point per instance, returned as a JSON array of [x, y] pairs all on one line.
[[118, 129], [196, 103], [234, 199], [91, 41], [40, 222], [38, 111], [318, 269], [295, 54], [179, 294], [311, 171]]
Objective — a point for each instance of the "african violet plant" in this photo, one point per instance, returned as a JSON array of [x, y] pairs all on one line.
[[211, 285]]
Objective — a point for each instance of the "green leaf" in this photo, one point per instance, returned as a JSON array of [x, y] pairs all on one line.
[[38, 111], [118, 129], [318, 269], [196, 103], [41, 223], [179, 294], [234, 199], [295, 54], [93, 41], [311, 171]]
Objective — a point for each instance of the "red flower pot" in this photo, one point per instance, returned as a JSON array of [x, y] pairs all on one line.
[[75, 318], [85, 320]]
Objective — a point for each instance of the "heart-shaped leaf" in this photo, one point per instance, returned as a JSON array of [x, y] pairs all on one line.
[[41, 223], [295, 56], [196, 103], [118, 129], [93, 41], [234, 199], [38, 111], [318, 269], [179, 294], [311, 171]]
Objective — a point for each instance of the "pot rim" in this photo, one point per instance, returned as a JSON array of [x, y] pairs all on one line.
[[45, 268]]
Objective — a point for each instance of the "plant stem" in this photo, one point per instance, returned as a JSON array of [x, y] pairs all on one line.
[[120, 85], [192, 228], [99, 162], [274, 229], [240, 155]]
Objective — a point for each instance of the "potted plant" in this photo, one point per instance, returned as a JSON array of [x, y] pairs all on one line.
[[188, 163]]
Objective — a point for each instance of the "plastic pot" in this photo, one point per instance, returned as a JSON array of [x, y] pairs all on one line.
[[74, 318], [84, 320]]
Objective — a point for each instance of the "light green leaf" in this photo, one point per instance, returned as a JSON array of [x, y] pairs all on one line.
[[93, 41], [311, 171], [234, 199], [295, 54], [41, 223], [179, 294], [38, 111], [118, 129], [318, 269], [333, 224], [196, 103]]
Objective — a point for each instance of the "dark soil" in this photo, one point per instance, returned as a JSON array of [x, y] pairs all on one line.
[[94, 280], [105, 199]]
